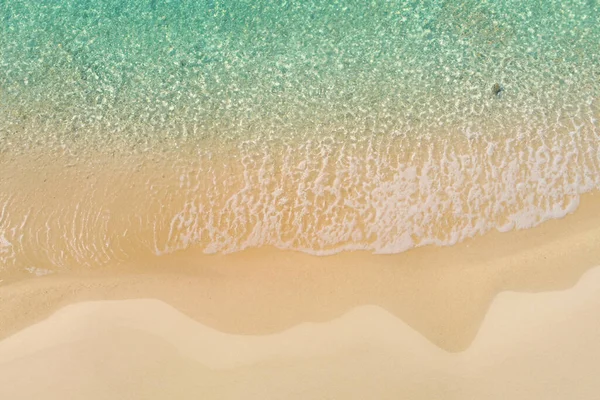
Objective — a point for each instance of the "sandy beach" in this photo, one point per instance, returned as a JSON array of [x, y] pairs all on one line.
[[299, 200], [506, 315]]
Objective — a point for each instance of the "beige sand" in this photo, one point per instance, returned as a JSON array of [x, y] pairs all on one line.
[[531, 346], [494, 317]]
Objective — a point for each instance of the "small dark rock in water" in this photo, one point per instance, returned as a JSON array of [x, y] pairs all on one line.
[[497, 89]]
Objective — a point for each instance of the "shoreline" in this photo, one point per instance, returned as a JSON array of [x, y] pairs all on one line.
[[378, 194], [441, 292]]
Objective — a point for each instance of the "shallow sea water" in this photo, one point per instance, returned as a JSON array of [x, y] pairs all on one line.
[[146, 127]]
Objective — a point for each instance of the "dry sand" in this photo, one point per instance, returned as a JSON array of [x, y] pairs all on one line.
[[503, 316], [531, 346]]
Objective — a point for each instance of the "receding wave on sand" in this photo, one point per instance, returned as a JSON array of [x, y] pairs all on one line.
[[493, 317], [89, 209]]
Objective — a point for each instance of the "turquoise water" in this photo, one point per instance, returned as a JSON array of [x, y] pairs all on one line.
[[415, 122], [235, 68]]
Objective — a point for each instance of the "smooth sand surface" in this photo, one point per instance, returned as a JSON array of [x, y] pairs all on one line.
[[530, 346], [507, 315]]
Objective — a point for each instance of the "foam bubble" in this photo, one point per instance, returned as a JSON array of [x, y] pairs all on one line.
[[313, 127]]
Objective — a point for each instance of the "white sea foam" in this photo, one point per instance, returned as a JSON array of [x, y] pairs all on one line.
[[384, 197], [384, 194]]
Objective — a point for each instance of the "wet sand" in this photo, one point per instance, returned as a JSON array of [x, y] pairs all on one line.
[[505, 315]]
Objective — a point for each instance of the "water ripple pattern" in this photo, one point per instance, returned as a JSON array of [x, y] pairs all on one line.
[[318, 126]]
